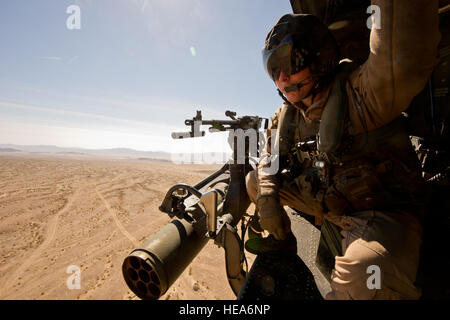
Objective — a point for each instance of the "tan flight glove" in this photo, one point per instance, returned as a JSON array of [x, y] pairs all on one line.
[[273, 217]]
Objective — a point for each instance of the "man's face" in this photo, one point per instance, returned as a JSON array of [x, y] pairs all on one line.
[[303, 77]]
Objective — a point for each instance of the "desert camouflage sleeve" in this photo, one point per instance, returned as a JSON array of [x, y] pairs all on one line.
[[268, 184], [403, 52]]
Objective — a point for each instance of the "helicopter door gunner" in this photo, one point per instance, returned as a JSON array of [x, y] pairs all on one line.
[[350, 158]]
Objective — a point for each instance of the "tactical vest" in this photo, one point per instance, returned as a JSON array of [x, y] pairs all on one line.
[[337, 172]]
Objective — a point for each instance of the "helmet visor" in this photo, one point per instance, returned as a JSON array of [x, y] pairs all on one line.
[[279, 59]]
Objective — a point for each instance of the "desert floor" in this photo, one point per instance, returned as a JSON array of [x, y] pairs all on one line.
[[58, 211]]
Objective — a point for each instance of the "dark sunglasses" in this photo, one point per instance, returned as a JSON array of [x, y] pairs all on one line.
[[280, 58]]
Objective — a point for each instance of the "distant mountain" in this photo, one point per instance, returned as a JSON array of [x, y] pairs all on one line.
[[71, 152], [115, 152], [122, 153], [9, 150], [150, 159], [41, 148]]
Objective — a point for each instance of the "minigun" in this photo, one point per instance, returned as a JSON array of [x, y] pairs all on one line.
[[209, 210]]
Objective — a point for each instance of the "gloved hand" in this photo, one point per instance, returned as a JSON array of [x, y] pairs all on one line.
[[273, 218]]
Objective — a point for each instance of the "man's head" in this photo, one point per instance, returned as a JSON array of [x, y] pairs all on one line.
[[300, 55]]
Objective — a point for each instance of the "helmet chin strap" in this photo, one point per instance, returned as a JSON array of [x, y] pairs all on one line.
[[284, 98]]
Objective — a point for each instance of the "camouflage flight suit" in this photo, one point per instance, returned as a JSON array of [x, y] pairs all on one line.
[[374, 191]]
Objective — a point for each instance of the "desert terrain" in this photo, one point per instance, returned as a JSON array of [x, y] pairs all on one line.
[[59, 211]]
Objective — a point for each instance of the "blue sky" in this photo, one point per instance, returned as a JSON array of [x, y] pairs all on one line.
[[133, 72]]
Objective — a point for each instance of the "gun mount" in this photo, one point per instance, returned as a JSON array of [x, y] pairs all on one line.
[[211, 209]]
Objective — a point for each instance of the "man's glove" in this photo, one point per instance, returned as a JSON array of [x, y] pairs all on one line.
[[273, 218]]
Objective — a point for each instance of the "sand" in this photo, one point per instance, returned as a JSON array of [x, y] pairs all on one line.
[[59, 211]]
